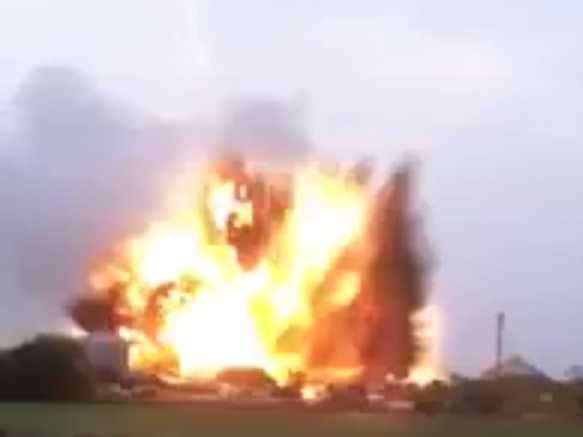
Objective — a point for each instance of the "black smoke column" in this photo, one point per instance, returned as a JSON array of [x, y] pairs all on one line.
[[393, 288]]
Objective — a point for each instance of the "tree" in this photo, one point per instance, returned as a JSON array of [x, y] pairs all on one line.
[[48, 368]]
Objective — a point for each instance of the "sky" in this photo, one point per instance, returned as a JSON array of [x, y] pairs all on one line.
[[488, 95]]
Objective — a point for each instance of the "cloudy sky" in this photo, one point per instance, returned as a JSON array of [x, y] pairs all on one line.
[[488, 94]]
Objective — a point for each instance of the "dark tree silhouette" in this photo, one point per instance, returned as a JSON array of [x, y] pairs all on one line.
[[47, 368]]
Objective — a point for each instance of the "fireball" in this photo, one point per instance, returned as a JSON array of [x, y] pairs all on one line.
[[280, 278]]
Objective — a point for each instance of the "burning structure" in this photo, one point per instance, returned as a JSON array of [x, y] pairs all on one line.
[[315, 273]]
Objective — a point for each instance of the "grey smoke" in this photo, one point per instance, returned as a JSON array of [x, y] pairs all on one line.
[[84, 171], [266, 128]]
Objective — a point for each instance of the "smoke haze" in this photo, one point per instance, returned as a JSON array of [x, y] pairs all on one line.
[[489, 95]]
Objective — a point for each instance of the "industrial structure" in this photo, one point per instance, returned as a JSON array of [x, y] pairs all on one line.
[[108, 354]]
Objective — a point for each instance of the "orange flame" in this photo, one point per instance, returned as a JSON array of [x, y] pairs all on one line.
[[187, 303]]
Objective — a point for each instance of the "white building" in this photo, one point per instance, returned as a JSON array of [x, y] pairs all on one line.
[[107, 353]]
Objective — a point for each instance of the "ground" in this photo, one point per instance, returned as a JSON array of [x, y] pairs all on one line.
[[128, 420]]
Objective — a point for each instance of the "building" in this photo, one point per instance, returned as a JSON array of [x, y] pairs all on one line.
[[107, 354]]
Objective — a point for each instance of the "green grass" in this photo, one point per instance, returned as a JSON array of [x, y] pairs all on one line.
[[127, 420]]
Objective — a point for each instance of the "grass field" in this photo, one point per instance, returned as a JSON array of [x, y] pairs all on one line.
[[128, 420]]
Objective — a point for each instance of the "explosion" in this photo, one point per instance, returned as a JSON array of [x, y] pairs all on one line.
[[315, 272]]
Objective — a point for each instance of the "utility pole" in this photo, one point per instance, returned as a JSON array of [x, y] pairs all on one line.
[[499, 341]]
